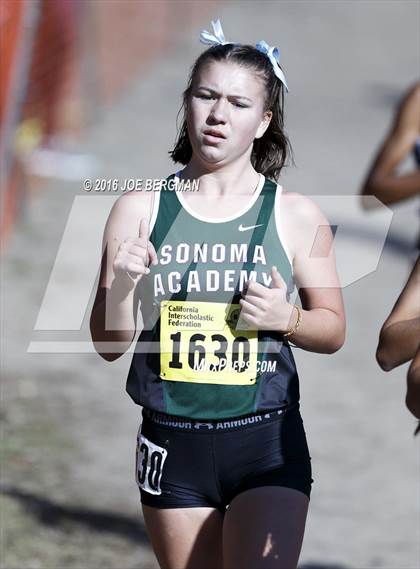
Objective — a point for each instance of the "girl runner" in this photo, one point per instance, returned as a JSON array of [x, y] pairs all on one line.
[[223, 466]]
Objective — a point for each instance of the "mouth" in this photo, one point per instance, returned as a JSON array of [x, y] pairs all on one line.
[[214, 135]]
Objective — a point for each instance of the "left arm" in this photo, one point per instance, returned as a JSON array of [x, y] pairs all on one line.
[[382, 180], [412, 399], [323, 324], [309, 237], [400, 333]]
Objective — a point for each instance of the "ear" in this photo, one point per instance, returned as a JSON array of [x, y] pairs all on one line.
[[264, 124]]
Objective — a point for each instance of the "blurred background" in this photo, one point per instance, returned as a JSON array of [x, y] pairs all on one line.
[[91, 90]]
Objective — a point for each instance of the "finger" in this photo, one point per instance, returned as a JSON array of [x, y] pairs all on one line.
[[144, 231], [254, 288], [246, 322], [134, 258], [277, 279], [139, 250], [137, 269], [248, 308], [153, 258], [255, 301]]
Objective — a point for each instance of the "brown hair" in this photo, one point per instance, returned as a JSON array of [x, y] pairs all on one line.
[[270, 152]]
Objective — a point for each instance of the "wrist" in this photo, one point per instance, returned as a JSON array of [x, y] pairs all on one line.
[[296, 321]]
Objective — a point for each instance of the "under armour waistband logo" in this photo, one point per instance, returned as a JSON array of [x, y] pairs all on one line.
[[199, 425]]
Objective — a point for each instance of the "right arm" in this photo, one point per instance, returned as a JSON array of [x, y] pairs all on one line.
[[126, 254], [382, 180]]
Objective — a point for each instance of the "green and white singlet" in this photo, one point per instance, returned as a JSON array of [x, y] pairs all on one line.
[[191, 359]]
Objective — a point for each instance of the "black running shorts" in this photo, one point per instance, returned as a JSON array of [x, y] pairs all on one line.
[[184, 463]]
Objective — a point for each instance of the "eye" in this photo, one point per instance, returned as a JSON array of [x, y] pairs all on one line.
[[202, 96], [241, 106]]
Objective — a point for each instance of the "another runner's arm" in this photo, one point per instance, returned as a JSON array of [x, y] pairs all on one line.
[[400, 334], [382, 180], [126, 252], [310, 240], [412, 399]]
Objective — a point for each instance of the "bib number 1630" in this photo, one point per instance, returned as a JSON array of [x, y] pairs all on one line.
[[197, 352]]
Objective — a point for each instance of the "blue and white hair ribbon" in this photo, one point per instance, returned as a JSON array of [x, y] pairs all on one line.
[[217, 38], [274, 56]]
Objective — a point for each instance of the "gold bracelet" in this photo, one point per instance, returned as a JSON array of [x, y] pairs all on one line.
[[296, 326]]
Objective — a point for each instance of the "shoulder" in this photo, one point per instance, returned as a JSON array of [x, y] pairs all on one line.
[[129, 209], [131, 203], [300, 209], [133, 199], [299, 219]]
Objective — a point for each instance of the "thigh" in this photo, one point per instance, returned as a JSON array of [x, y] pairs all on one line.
[[174, 469], [181, 505], [185, 538], [273, 452], [264, 527]]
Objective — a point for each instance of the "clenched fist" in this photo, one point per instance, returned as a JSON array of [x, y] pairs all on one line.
[[264, 308], [135, 254]]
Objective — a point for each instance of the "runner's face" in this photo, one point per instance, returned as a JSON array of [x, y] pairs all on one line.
[[227, 99]]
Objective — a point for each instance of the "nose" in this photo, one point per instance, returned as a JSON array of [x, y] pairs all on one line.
[[219, 111]]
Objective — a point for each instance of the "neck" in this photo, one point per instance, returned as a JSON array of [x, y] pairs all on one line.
[[232, 182]]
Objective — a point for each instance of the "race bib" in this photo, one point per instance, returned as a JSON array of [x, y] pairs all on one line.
[[149, 465], [199, 344]]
